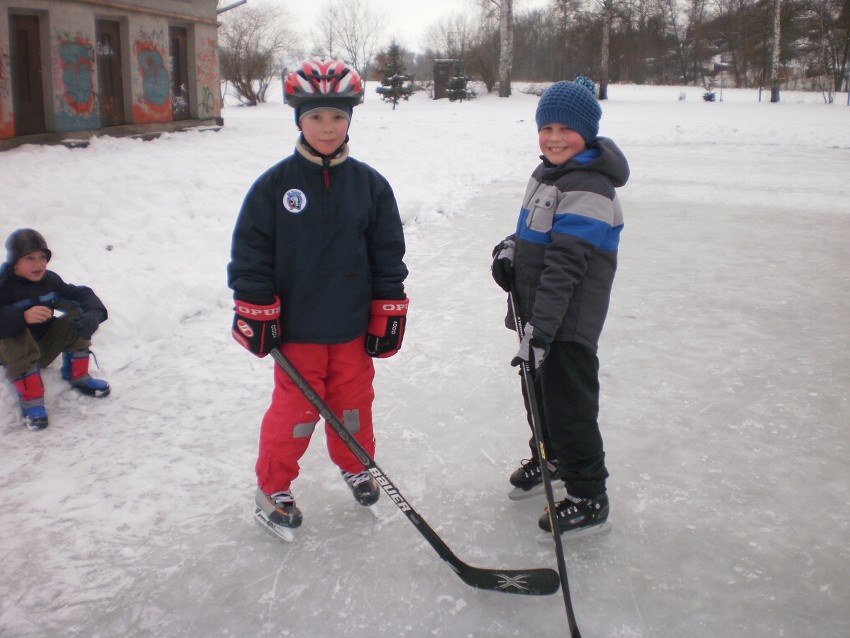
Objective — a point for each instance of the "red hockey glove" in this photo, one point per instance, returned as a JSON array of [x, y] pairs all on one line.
[[257, 326], [386, 327]]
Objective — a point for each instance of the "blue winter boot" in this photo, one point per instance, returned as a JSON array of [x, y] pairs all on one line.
[[30, 391], [75, 370]]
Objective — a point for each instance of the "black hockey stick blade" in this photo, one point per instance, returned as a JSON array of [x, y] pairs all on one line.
[[532, 582]]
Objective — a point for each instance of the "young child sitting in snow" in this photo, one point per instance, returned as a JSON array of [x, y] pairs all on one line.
[[32, 334], [317, 271], [560, 265]]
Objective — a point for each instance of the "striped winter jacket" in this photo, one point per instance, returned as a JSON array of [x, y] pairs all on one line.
[[566, 245]]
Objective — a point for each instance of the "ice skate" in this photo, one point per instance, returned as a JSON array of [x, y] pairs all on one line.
[[364, 488], [277, 513], [579, 517], [528, 479]]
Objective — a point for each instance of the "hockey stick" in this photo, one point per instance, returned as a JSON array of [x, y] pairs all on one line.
[[535, 582], [537, 428]]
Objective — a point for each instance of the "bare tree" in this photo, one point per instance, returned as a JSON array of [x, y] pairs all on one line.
[[325, 37], [250, 40], [353, 32], [566, 14], [774, 53], [483, 56], [505, 10], [610, 10], [605, 48], [675, 23], [828, 35], [697, 15], [453, 36], [749, 42]]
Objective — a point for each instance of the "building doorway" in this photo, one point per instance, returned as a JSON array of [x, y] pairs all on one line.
[[178, 52], [110, 77], [27, 88]]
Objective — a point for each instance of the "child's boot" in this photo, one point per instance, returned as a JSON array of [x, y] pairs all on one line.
[[31, 398], [75, 370]]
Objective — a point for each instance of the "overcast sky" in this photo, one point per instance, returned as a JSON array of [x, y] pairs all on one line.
[[408, 20]]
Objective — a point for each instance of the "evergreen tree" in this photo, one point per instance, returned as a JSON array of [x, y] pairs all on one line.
[[396, 85], [458, 89]]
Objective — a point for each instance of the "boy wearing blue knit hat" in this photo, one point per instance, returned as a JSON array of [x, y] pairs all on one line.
[[560, 264]]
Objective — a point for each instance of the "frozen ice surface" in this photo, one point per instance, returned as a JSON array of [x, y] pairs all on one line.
[[725, 367]]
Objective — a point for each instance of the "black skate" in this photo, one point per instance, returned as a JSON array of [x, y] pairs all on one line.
[[528, 479], [579, 516], [277, 513], [363, 486]]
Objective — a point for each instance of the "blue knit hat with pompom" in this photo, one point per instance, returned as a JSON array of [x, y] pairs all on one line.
[[572, 104]]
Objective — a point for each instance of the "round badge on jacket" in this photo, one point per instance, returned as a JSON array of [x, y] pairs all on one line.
[[294, 201]]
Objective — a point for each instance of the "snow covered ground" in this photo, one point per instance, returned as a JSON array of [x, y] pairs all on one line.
[[725, 370]]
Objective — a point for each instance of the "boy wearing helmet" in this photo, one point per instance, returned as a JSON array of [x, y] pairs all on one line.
[[317, 270], [41, 317], [559, 265]]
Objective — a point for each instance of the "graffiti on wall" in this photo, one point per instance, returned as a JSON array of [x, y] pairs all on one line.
[[75, 57], [153, 102], [7, 121], [209, 104]]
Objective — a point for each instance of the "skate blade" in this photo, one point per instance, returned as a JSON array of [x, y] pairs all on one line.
[[603, 529], [284, 533], [373, 510], [519, 494]]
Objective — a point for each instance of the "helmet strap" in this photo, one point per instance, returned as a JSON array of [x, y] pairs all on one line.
[[325, 158]]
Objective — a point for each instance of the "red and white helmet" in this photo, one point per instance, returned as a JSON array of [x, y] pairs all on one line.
[[320, 80]]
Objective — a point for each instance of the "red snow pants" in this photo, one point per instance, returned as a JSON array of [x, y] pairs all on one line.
[[342, 374]]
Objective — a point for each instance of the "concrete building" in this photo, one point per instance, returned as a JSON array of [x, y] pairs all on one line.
[[70, 69]]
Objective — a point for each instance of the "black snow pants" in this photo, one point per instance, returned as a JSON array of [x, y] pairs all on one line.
[[567, 390]]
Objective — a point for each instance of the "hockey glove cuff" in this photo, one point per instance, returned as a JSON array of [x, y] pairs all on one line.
[[257, 326], [503, 264], [386, 327], [531, 350]]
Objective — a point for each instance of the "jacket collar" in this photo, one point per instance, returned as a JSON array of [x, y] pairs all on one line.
[[307, 152]]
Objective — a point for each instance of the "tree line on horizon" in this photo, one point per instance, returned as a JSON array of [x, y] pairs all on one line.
[[788, 44]]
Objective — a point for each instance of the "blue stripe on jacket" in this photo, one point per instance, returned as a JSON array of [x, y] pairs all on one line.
[[593, 231]]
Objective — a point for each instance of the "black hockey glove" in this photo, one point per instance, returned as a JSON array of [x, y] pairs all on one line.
[[256, 326], [531, 350], [503, 263]]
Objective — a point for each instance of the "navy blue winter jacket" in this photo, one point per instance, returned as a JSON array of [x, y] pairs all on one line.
[[326, 240], [17, 295]]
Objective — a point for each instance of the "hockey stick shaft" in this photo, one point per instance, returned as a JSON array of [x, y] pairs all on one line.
[[537, 429], [540, 581]]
